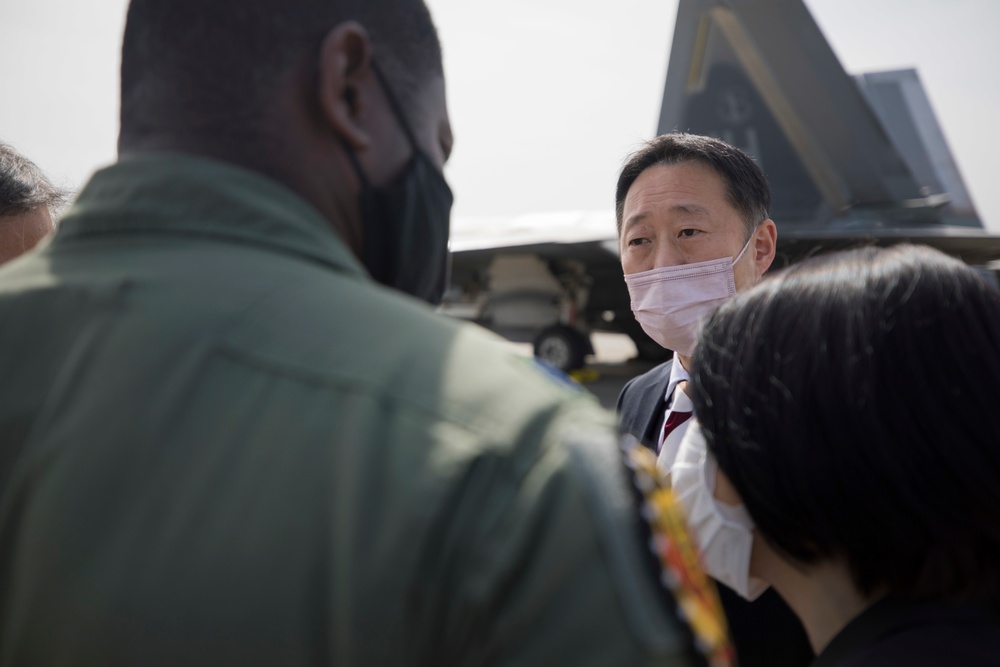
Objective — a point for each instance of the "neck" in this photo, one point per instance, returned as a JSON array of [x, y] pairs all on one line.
[[822, 596], [200, 147], [308, 177], [685, 362]]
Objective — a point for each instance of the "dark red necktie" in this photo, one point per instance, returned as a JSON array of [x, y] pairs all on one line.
[[673, 421]]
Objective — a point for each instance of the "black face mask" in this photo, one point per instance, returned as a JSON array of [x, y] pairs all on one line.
[[406, 223]]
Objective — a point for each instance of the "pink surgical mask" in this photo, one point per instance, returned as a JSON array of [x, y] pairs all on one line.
[[671, 302]]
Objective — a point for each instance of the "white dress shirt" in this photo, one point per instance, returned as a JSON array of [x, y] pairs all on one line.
[[676, 400]]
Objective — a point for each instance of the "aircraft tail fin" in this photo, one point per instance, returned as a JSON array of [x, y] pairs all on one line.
[[760, 75]]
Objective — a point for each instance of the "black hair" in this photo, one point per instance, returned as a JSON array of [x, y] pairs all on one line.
[[23, 186], [854, 402], [209, 68], [746, 187]]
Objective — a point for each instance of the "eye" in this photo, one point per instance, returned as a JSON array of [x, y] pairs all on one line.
[[688, 233], [637, 241]]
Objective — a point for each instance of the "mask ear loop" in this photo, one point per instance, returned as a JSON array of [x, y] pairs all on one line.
[[397, 109], [742, 252], [365, 185]]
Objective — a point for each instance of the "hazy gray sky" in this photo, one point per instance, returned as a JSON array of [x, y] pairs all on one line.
[[546, 96]]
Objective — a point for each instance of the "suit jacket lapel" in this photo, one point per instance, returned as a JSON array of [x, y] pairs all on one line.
[[652, 406]]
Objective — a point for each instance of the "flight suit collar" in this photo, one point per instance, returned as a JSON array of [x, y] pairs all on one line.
[[195, 196]]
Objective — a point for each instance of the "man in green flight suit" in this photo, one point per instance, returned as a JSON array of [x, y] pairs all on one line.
[[223, 443]]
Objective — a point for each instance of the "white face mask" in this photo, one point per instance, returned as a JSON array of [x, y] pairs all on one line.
[[724, 532], [671, 302]]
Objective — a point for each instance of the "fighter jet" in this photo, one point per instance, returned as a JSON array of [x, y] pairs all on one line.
[[850, 159]]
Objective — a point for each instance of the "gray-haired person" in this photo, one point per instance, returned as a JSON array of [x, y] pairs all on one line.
[[27, 201]]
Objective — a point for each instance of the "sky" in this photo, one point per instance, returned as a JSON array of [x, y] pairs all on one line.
[[546, 97]]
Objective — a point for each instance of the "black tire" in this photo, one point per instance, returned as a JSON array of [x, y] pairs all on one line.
[[562, 347]]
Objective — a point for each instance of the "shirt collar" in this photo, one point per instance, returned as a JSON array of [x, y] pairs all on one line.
[[196, 196], [678, 374]]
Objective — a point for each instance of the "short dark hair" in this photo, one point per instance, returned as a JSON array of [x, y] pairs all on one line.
[[746, 187], [23, 186], [852, 400], [209, 68]]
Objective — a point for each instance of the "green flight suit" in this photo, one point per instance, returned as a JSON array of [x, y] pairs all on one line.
[[224, 444]]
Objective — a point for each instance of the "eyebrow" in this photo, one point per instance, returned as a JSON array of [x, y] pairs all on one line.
[[637, 218], [690, 209]]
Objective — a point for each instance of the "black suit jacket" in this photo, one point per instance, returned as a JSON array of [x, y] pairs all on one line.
[[893, 632], [765, 632], [641, 405]]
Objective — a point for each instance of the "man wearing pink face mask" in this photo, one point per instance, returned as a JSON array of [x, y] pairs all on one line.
[[693, 229]]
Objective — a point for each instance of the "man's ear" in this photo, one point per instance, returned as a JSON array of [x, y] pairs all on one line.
[[764, 246], [345, 82]]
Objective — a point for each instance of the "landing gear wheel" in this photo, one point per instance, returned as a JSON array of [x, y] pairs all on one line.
[[562, 347]]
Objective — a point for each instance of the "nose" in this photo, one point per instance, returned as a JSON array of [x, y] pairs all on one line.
[[666, 255]]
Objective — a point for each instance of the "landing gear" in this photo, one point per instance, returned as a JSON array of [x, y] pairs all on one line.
[[562, 347]]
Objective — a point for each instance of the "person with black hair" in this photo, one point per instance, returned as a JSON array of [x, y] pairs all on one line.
[[693, 230], [846, 454], [28, 200], [234, 432]]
